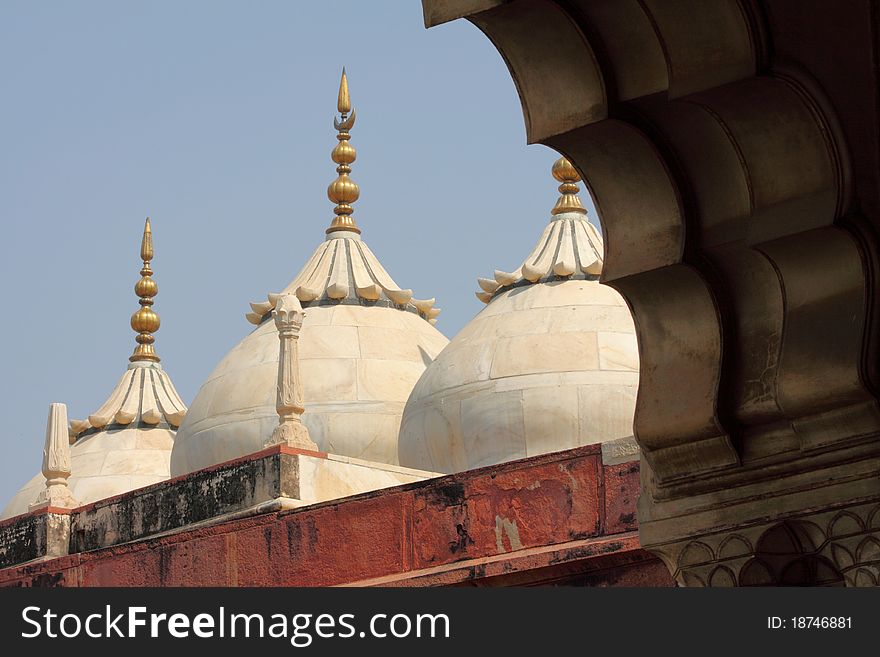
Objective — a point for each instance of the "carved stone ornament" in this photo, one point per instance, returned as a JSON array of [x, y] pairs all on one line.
[[290, 431], [56, 463]]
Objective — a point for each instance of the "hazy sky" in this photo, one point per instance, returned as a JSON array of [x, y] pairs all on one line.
[[214, 118]]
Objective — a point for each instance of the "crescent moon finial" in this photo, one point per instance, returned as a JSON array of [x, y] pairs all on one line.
[[343, 191]]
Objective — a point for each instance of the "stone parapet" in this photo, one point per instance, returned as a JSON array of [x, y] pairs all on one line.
[[41, 534], [279, 477], [567, 517]]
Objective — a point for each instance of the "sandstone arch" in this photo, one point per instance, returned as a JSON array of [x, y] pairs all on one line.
[[733, 152]]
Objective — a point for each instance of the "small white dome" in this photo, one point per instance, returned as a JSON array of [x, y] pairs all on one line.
[[549, 364], [541, 369], [125, 444], [107, 463]]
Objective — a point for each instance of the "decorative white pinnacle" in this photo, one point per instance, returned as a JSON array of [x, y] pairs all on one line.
[[289, 403], [56, 463]]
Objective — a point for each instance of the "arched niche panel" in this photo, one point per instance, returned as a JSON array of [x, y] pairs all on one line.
[[642, 231], [438, 12], [720, 193], [679, 335], [555, 71], [622, 34], [819, 382], [756, 301], [707, 44], [794, 183]]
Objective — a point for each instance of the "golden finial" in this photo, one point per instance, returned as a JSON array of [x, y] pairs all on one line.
[[568, 201], [145, 322], [343, 103], [343, 191]]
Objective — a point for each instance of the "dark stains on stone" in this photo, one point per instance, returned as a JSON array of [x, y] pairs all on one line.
[[463, 541], [294, 538], [446, 494], [123, 516], [163, 565], [478, 571], [604, 579], [313, 535], [23, 539], [577, 536], [587, 551], [48, 580], [150, 515], [288, 484], [200, 496], [267, 534], [627, 518]]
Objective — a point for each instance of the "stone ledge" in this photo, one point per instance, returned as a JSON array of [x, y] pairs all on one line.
[[246, 486], [41, 534], [274, 479], [599, 553], [622, 450], [540, 519]]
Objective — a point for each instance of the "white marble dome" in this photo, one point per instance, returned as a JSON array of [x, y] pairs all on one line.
[[549, 364], [105, 464], [363, 345], [126, 444]]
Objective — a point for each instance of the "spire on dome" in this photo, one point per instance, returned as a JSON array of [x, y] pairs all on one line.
[[568, 201], [343, 191], [145, 321], [145, 392], [343, 101], [569, 247], [343, 268]]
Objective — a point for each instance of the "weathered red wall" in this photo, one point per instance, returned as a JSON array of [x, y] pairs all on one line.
[[559, 518]]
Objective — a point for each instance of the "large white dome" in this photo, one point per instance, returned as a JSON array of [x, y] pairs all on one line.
[[358, 365], [362, 347], [550, 363]]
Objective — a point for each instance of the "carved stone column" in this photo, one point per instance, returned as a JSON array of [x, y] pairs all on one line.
[[56, 463], [289, 403]]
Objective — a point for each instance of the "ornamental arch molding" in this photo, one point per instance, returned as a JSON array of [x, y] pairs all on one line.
[[737, 179]]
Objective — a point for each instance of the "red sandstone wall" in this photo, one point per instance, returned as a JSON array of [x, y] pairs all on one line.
[[560, 518]]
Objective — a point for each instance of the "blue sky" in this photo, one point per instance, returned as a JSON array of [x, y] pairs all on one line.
[[214, 118]]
